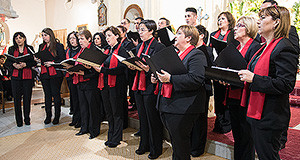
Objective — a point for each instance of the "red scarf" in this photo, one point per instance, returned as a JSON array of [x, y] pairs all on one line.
[[27, 73], [257, 99], [236, 94], [166, 88], [68, 56], [51, 69], [79, 78], [112, 64], [140, 81], [219, 32]]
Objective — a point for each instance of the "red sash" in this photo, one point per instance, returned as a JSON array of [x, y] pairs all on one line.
[[140, 81], [112, 64], [236, 94], [79, 78], [27, 73], [166, 89], [257, 99], [219, 32], [51, 69]]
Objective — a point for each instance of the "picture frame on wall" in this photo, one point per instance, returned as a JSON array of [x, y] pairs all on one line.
[[102, 14], [82, 27]]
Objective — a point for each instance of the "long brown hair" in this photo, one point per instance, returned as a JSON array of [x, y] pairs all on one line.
[[53, 41]]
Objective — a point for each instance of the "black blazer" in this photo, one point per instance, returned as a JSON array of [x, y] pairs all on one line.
[[155, 47], [188, 93], [119, 71], [61, 55], [277, 86], [29, 64]]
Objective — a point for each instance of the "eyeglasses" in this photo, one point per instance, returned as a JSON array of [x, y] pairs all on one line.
[[143, 30], [238, 25]]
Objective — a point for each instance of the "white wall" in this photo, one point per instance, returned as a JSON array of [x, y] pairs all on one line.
[[31, 18]]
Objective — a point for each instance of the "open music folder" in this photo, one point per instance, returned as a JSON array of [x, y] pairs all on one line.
[[166, 36], [23, 58], [92, 57], [44, 55], [166, 59], [218, 44], [130, 61], [228, 64]]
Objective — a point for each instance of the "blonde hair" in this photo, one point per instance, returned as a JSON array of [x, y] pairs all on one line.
[[281, 13], [190, 31], [250, 25]]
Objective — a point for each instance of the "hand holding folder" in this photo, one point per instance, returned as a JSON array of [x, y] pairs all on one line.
[[92, 57], [228, 64]]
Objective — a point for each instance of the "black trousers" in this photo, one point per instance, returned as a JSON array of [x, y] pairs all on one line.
[[19, 88], [90, 110], [74, 102], [199, 132], [180, 127], [150, 124], [266, 141], [222, 122], [51, 89], [241, 130], [113, 106]]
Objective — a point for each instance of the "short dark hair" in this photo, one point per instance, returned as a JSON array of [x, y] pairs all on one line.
[[271, 1], [77, 39], [167, 21], [21, 34], [202, 30], [191, 9], [150, 24], [115, 31], [103, 39], [124, 30], [2, 56], [141, 18], [128, 21], [230, 19]]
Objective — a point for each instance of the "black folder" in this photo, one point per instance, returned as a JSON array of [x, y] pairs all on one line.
[[131, 61], [77, 68], [229, 62], [19, 59], [231, 58], [44, 55], [223, 74], [64, 63], [133, 35], [92, 57], [166, 59], [166, 36], [218, 44]]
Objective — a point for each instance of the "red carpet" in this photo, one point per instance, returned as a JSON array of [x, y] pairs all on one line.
[[291, 151], [295, 117]]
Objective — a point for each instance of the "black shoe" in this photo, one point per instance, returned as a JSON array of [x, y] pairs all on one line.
[[47, 120], [80, 133], [78, 125], [71, 113], [42, 106], [153, 156], [113, 145], [27, 123], [137, 134], [72, 124], [92, 137], [55, 121], [106, 143], [19, 125], [140, 152], [196, 154]]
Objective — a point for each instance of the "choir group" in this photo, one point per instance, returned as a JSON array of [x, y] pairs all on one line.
[[258, 113]]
